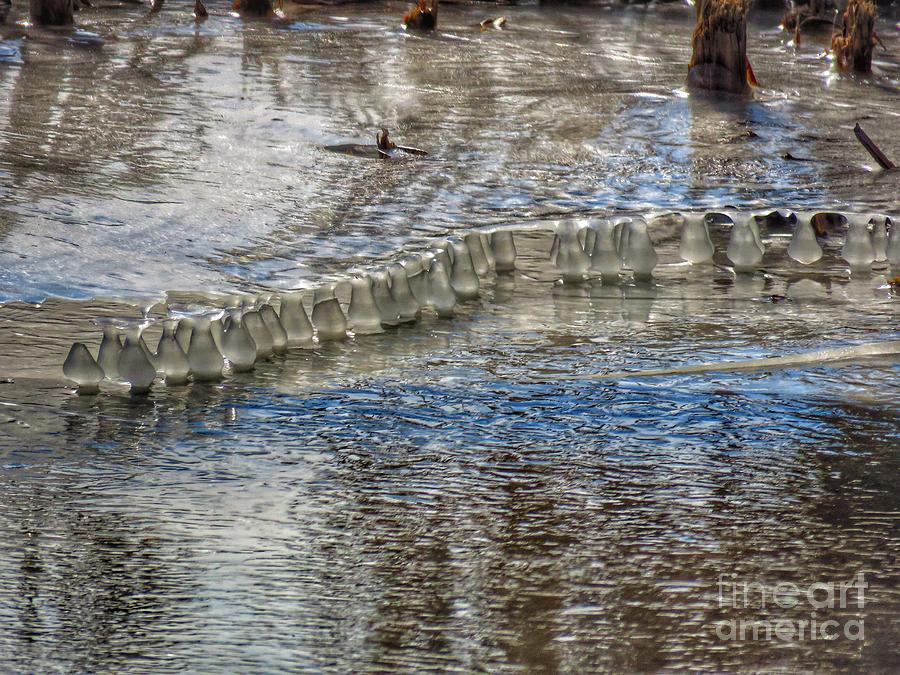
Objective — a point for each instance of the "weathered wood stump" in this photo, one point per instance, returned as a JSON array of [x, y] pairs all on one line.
[[853, 46], [423, 16], [253, 7], [52, 12], [719, 60]]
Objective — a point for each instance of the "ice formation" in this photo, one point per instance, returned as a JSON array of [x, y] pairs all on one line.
[[259, 331], [503, 248], [696, 245], [858, 249], [438, 279], [462, 274], [879, 237], [804, 247], [363, 312], [216, 329], [183, 335], [295, 320], [638, 252], [276, 330], [406, 303], [327, 315], [893, 245], [384, 299], [134, 366], [205, 358], [441, 297], [480, 262], [81, 368], [570, 258], [110, 346], [605, 259], [171, 358], [745, 248], [238, 345], [417, 276]]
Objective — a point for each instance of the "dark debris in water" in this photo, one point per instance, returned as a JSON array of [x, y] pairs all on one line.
[[384, 148], [423, 16]]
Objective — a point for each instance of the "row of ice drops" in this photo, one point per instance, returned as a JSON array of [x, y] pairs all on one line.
[[203, 342]]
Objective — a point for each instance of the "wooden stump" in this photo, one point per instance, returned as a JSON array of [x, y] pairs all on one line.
[[719, 60], [423, 16], [52, 12], [253, 7], [853, 46]]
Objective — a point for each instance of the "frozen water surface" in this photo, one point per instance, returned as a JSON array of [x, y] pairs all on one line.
[[458, 493]]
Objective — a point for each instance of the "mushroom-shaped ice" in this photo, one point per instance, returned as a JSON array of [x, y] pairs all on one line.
[[238, 345], [440, 293], [327, 315], [170, 357], [403, 295], [748, 219], [204, 357], [503, 247], [295, 320], [81, 368], [363, 312], [462, 275], [696, 245], [804, 247], [605, 259], [858, 249], [134, 365], [384, 299], [110, 345], [571, 260], [638, 253], [744, 247]]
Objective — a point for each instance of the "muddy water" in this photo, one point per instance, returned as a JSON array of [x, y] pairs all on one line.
[[458, 494]]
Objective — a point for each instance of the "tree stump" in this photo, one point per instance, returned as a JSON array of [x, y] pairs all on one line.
[[52, 12], [853, 46], [719, 59]]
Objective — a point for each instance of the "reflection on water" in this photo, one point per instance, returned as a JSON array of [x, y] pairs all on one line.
[[455, 494], [202, 147]]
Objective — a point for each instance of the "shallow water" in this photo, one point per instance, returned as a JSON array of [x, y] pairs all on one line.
[[459, 494]]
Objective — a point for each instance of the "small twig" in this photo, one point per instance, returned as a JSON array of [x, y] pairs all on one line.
[[873, 149]]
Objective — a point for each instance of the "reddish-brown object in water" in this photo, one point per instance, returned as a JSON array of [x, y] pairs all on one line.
[[423, 16], [873, 149], [200, 10], [751, 76], [853, 46], [385, 144], [253, 7]]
